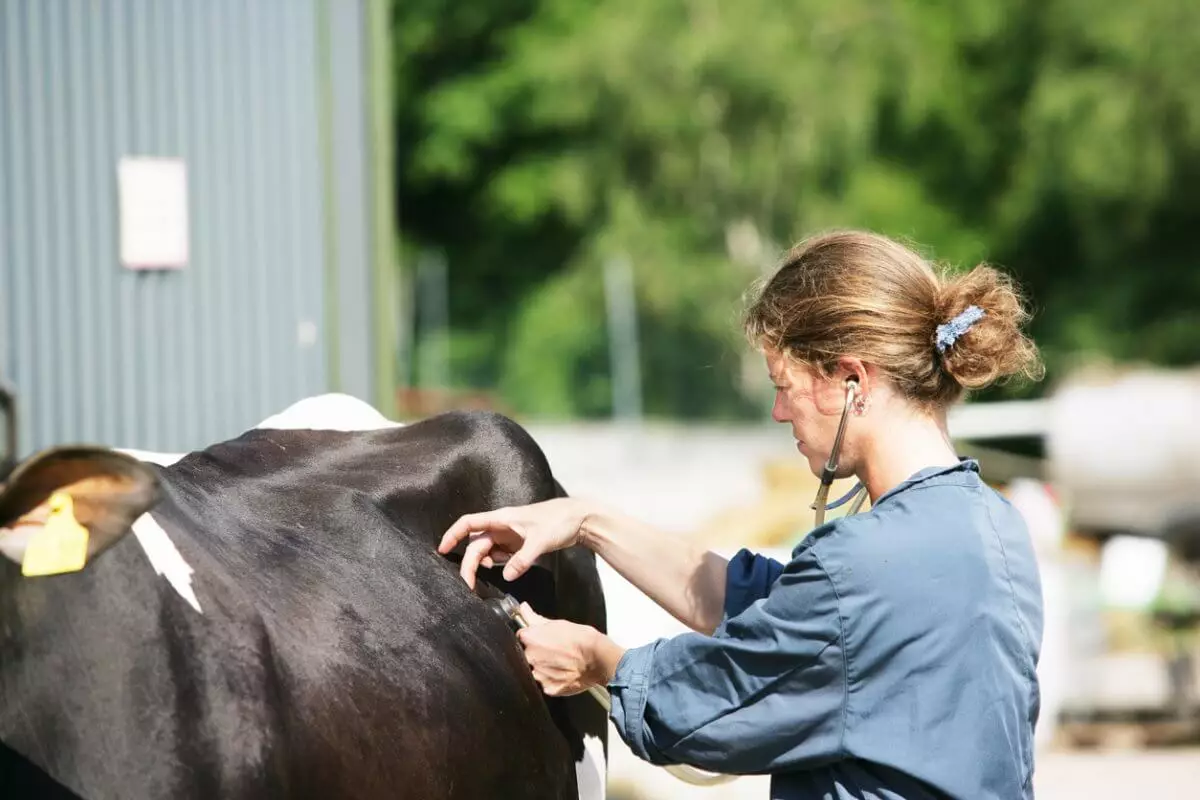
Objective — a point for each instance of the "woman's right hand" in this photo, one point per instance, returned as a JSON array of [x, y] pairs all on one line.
[[515, 536]]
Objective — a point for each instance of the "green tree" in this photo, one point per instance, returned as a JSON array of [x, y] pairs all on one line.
[[696, 137]]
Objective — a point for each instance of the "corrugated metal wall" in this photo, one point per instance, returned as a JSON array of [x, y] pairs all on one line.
[[173, 359], [350, 215]]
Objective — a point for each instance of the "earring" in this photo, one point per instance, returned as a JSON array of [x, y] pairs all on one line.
[[861, 404]]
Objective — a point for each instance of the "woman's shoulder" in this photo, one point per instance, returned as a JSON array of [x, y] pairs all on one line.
[[924, 532]]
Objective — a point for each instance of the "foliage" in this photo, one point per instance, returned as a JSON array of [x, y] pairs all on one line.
[[539, 138]]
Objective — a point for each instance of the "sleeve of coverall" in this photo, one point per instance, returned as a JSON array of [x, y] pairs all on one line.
[[764, 694], [748, 578]]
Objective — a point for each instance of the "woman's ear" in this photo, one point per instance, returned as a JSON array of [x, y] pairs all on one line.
[[849, 368], [864, 377]]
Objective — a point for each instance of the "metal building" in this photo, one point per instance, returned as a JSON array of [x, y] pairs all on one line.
[[192, 233]]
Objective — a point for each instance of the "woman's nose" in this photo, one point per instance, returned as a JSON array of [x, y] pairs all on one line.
[[778, 410]]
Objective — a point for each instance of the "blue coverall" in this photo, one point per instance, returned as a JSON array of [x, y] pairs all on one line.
[[893, 657]]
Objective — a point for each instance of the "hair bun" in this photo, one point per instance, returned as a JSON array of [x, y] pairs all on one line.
[[979, 347]]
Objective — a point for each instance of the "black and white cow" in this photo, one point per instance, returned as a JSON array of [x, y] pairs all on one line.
[[280, 625]]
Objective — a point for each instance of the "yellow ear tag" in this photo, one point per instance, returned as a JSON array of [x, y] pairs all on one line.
[[60, 545]]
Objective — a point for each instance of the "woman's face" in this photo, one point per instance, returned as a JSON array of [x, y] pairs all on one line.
[[811, 403]]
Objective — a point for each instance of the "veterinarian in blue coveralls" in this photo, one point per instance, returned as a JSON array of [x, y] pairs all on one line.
[[894, 656]]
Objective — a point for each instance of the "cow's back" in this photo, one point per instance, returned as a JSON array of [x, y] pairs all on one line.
[[337, 653]]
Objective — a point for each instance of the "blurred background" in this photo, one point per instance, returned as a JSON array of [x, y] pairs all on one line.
[[210, 209]]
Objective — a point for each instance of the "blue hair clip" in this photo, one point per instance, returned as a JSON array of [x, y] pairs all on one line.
[[948, 333]]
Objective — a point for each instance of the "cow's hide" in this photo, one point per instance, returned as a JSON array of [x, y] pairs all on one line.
[[330, 652]]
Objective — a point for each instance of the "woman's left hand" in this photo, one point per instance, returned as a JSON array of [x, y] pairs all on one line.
[[566, 658]]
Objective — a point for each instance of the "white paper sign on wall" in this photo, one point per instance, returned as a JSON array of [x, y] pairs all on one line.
[[153, 212]]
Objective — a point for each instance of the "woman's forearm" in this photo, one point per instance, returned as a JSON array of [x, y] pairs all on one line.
[[686, 580]]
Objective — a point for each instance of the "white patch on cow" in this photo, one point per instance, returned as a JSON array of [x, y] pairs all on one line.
[[159, 548], [151, 457], [324, 412], [165, 558], [329, 412], [591, 770]]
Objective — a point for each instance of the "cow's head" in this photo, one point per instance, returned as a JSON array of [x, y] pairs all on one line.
[[102, 490]]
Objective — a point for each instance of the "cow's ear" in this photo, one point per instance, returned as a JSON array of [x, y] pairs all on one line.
[[53, 498]]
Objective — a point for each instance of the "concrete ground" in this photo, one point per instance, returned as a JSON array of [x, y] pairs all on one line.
[[1158, 774], [1144, 775]]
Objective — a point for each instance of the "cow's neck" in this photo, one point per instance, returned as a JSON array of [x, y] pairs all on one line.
[[114, 649]]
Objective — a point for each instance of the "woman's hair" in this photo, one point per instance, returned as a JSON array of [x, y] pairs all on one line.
[[853, 293]]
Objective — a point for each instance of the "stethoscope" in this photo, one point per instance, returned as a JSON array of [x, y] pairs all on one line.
[[859, 493], [509, 610]]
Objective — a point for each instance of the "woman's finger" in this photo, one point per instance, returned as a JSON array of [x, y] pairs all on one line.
[[531, 616], [464, 526], [520, 561], [475, 553]]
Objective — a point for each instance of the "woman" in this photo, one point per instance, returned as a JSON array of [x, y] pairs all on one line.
[[894, 656]]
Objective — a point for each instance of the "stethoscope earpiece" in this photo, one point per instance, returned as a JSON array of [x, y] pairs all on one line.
[[821, 504]]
